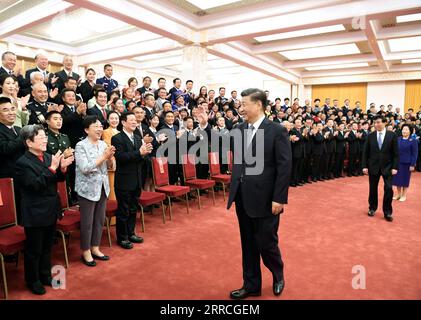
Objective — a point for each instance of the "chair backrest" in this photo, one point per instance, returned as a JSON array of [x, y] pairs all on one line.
[[160, 171], [229, 158], [62, 193], [214, 167], [7, 206], [189, 166]]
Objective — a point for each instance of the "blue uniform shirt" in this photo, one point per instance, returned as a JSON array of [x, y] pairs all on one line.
[[108, 84]]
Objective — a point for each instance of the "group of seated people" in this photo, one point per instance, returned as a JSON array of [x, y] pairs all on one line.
[[54, 127]]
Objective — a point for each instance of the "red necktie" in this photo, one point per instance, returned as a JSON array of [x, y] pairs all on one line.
[[104, 113]]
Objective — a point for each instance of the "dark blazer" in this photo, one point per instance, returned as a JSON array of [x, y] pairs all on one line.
[[86, 91], [95, 111], [72, 125], [11, 149], [330, 141], [354, 143], [128, 174], [318, 146], [62, 77], [40, 203], [340, 143], [258, 191], [297, 147], [381, 161]]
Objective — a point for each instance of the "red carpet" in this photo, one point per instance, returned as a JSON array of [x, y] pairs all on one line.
[[324, 232]]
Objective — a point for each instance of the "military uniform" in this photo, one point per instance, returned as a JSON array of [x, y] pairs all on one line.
[[37, 112], [108, 84], [57, 141]]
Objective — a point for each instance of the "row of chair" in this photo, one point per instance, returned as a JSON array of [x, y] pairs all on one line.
[[12, 236]]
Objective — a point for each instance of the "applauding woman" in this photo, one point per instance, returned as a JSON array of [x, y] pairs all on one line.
[[37, 173], [93, 159]]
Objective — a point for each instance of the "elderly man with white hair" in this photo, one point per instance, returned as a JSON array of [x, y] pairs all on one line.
[[59, 78]]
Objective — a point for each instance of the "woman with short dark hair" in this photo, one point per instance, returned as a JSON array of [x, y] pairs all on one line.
[[37, 173], [93, 158]]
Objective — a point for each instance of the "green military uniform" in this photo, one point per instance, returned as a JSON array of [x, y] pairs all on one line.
[[57, 141]]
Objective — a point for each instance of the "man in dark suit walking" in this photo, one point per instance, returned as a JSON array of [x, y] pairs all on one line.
[[260, 196], [381, 158], [129, 155]]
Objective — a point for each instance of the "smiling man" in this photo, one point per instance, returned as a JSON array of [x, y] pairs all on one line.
[[260, 197]]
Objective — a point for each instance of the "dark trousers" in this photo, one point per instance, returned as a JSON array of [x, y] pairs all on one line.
[[127, 202], [339, 164], [259, 237], [352, 163], [306, 168], [296, 169], [330, 164], [388, 192], [70, 180], [316, 166], [38, 244]]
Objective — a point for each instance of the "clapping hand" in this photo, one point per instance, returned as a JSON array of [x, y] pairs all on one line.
[[65, 162], [54, 79], [55, 160], [147, 138], [54, 93], [68, 152], [145, 149], [109, 152]]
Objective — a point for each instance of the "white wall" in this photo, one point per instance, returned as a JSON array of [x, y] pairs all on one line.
[[388, 92]]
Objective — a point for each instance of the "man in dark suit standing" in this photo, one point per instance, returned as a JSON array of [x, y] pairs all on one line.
[[41, 62], [340, 150], [8, 64], [67, 72], [100, 109], [11, 145], [354, 149], [260, 195], [381, 158], [297, 145], [129, 155]]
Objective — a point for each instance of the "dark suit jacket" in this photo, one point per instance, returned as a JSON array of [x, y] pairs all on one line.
[[28, 76], [318, 146], [381, 161], [354, 143], [258, 191], [340, 143], [11, 149], [62, 77], [95, 111], [72, 125], [40, 203], [128, 174], [297, 146], [330, 141]]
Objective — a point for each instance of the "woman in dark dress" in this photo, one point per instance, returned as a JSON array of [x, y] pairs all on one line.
[[408, 153], [37, 173]]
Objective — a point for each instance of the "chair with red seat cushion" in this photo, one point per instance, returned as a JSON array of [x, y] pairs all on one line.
[[110, 211], [71, 218], [12, 236], [215, 171], [148, 198], [189, 173], [162, 183]]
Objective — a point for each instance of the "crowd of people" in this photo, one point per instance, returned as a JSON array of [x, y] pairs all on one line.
[[99, 136]]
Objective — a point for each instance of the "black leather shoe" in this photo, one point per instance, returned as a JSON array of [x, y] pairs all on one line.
[[388, 217], [371, 213], [36, 288], [125, 244], [47, 281], [278, 287], [243, 293], [102, 258], [88, 263], [136, 239]]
